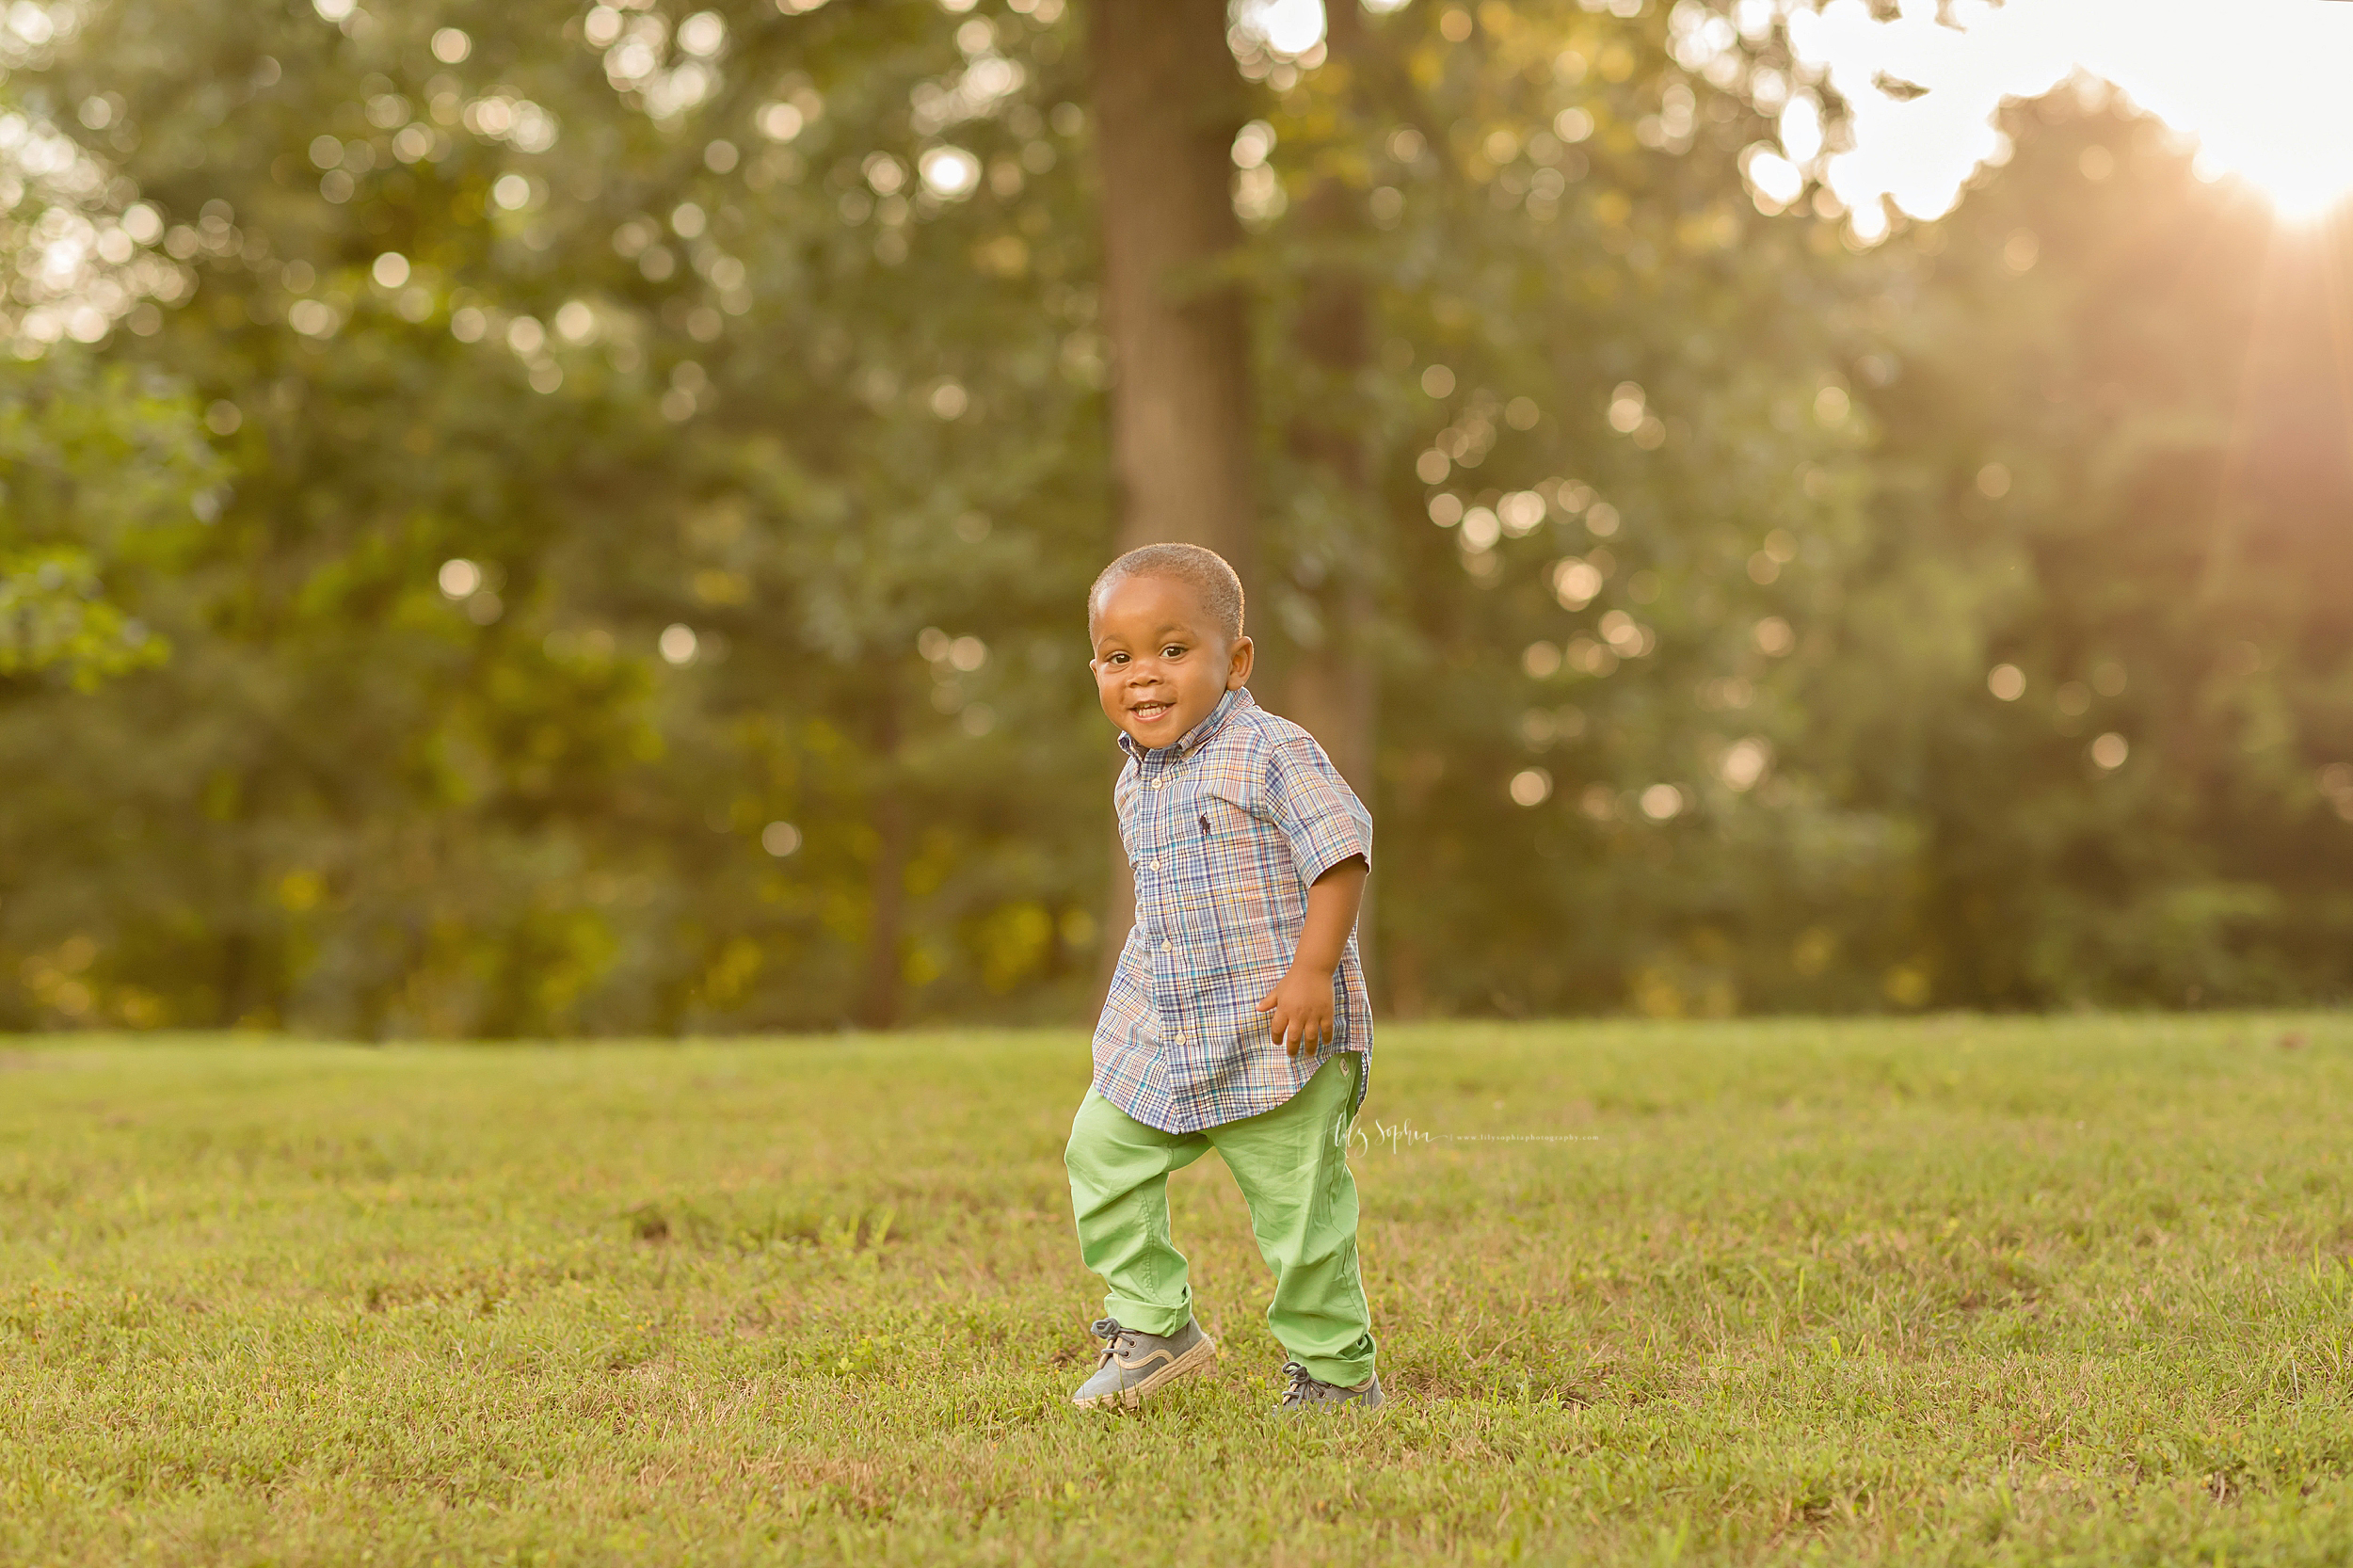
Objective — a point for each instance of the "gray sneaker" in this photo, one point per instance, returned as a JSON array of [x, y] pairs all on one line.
[[1307, 1392], [1137, 1366]]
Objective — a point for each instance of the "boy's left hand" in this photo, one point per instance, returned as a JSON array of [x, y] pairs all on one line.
[[1302, 1004]]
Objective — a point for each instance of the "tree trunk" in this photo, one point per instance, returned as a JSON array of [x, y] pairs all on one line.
[[1331, 687], [887, 878], [1167, 105]]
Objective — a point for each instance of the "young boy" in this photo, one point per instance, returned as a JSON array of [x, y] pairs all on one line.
[[1238, 1018]]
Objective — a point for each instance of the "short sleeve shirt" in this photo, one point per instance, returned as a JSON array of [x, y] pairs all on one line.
[[1226, 831]]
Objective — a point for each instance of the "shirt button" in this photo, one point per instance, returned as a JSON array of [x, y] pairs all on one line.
[[1158, 782], [1168, 946]]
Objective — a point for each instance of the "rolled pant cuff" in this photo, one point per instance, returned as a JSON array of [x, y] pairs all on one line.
[[1342, 1374], [1145, 1318]]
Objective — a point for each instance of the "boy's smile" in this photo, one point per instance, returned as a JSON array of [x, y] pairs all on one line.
[[1161, 663]]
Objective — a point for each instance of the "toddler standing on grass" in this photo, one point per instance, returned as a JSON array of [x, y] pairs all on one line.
[[1238, 1018]]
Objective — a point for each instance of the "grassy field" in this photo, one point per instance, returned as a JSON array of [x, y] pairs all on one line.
[[1951, 1290]]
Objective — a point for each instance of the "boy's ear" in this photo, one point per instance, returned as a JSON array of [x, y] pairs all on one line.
[[1238, 674]]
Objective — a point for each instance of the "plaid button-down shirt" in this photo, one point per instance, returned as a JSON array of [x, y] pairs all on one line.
[[1225, 830]]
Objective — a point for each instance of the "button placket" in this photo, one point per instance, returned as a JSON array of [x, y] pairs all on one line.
[[1163, 905], [1171, 887], [1149, 900]]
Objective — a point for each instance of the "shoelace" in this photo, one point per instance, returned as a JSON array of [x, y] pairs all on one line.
[[1113, 1337], [1301, 1381]]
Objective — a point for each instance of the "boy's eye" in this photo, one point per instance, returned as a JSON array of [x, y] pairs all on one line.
[[1173, 651]]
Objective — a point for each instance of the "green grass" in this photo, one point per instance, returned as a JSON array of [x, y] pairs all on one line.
[[1953, 1291]]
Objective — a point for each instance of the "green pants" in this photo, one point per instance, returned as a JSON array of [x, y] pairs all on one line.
[[1291, 1165]]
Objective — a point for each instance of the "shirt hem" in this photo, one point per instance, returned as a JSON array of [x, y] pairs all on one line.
[[1180, 1127]]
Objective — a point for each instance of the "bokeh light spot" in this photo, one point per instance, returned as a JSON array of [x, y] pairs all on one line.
[[459, 578]]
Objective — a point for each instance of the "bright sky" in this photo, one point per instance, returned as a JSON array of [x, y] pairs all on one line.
[[2265, 85]]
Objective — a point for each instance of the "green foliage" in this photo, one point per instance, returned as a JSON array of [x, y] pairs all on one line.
[[50, 613], [1626, 351], [2109, 433], [98, 473], [410, 800], [1950, 1292], [526, 350]]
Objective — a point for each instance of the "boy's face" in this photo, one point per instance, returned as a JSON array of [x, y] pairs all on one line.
[[1161, 664]]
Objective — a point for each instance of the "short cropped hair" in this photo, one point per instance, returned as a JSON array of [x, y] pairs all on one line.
[[1204, 571]]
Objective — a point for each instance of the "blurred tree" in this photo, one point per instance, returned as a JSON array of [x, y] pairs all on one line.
[[1168, 104], [449, 785], [98, 473], [2094, 667], [656, 460], [531, 681], [1596, 376], [1332, 686]]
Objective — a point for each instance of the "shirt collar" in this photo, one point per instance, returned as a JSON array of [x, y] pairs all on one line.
[[1198, 736]]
